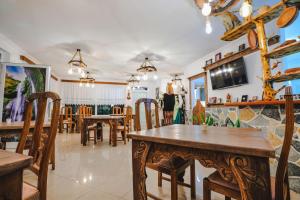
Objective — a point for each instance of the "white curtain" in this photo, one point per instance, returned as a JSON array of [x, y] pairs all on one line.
[[71, 93]]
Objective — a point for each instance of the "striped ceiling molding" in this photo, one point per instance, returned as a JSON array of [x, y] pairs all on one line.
[[96, 82]]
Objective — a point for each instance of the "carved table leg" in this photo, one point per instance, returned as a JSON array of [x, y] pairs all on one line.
[[140, 151], [114, 133], [253, 176]]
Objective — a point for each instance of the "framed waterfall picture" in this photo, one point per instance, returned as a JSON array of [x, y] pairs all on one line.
[[18, 82]]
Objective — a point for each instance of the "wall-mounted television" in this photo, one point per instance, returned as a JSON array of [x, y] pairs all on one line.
[[231, 74]]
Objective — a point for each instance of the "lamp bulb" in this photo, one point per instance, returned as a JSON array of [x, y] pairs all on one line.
[[206, 10], [246, 9], [208, 27], [70, 71]]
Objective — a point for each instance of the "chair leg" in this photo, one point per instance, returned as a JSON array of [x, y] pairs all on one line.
[[174, 192], [159, 178], [95, 136], [206, 190], [193, 181]]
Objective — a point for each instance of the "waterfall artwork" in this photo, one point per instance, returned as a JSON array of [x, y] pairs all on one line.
[[20, 83]]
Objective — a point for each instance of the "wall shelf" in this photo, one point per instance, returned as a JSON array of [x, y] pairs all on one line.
[[284, 51], [285, 77], [241, 30], [214, 104], [230, 58], [259, 103]]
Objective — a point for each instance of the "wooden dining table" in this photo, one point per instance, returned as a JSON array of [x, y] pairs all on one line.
[[11, 174], [95, 119], [240, 155], [15, 129]]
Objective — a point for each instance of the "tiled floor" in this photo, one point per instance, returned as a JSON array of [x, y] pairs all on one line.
[[102, 172]]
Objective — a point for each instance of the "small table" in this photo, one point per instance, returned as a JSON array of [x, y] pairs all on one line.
[[240, 155], [111, 120], [15, 129], [11, 174]]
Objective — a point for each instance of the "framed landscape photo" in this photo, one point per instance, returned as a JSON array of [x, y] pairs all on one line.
[[18, 83]]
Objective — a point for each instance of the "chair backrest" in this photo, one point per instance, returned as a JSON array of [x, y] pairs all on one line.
[[128, 115], [42, 143], [68, 113], [147, 103], [282, 191], [117, 110]]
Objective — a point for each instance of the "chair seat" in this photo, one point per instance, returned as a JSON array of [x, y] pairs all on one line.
[[217, 179], [30, 192], [167, 166]]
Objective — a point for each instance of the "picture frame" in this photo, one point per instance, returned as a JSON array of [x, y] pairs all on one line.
[[208, 62], [245, 98], [213, 100], [242, 47], [218, 57]]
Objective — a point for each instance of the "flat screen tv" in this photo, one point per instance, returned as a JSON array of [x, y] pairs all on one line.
[[229, 75]]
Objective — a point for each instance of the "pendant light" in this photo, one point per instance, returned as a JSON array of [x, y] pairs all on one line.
[[145, 69], [77, 66]]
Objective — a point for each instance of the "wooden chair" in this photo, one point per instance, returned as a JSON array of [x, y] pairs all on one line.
[[43, 143], [125, 128], [117, 110], [279, 184], [68, 119], [172, 168], [85, 111]]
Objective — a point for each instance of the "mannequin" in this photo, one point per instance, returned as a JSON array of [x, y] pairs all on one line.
[[169, 103], [198, 113]]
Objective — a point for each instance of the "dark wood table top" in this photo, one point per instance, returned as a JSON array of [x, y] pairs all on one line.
[[105, 117], [245, 141], [10, 162], [18, 125]]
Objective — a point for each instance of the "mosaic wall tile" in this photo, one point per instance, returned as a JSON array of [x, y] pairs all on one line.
[[275, 141], [280, 130], [232, 116], [293, 169], [271, 112], [259, 121], [296, 108], [293, 156], [246, 114], [294, 184], [296, 145]]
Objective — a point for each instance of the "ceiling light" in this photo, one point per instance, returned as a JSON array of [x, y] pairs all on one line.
[[208, 27], [146, 67], [155, 77], [88, 80], [246, 9], [76, 63], [70, 71], [206, 10]]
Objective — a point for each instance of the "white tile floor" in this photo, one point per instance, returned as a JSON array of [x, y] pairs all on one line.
[[102, 172]]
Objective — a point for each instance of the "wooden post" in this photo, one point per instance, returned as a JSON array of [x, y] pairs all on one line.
[[269, 92]]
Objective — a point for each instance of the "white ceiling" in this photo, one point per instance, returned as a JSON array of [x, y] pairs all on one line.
[[114, 35]]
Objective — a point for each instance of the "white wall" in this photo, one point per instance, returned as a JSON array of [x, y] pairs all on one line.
[[253, 66], [14, 51]]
